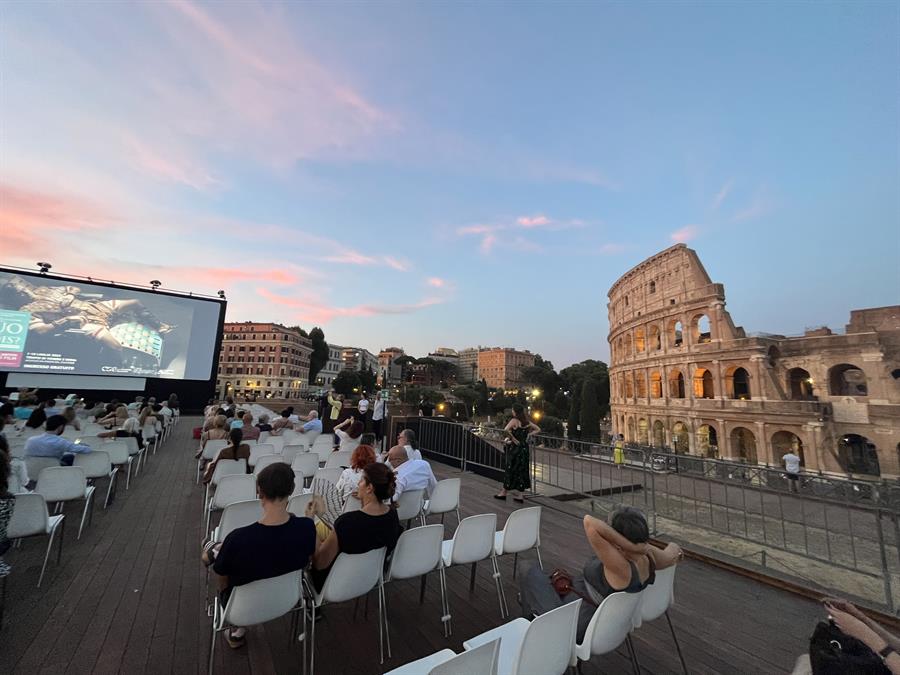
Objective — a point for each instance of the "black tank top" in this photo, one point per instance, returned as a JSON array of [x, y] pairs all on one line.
[[593, 575]]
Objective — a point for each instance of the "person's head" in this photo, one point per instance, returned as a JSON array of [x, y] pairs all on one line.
[[631, 524], [229, 413], [313, 415], [275, 483], [376, 483], [50, 403], [55, 424], [397, 455], [407, 437], [519, 413], [220, 422], [131, 425], [157, 407], [152, 400], [248, 417], [235, 436], [7, 411], [138, 399], [290, 410], [219, 411], [89, 405], [367, 439], [69, 413], [263, 419], [229, 400], [121, 412], [285, 414], [362, 457], [377, 395], [356, 429]]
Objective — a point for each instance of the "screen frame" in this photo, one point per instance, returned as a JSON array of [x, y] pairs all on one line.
[[77, 280]]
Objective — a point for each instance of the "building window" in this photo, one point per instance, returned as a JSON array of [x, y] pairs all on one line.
[[653, 287]]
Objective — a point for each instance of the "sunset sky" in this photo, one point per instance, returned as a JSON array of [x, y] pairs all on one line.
[[448, 174]]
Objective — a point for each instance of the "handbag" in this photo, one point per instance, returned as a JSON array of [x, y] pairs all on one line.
[[561, 580], [831, 652]]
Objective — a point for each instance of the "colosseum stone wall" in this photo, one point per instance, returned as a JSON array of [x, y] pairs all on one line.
[[684, 377]]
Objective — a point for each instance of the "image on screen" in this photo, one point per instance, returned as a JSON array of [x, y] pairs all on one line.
[[62, 326]]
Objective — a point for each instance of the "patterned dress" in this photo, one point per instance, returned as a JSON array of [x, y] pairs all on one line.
[[518, 471], [7, 503]]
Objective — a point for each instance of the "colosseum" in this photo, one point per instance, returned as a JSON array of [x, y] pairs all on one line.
[[684, 377]]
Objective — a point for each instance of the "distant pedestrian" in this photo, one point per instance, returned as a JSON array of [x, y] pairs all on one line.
[[518, 468], [363, 408], [619, 451], [378, 416], [792, 468]]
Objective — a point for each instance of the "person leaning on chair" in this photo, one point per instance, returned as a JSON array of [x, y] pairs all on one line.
[[52, 444]]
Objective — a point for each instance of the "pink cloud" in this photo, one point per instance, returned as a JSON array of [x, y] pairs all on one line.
[[533, 221], [395, 263], [436, 282], [487, 243], [38, 212], [685, 234], [169, 169], [350, 258], [475, 229], [721, 195], [314, 311]]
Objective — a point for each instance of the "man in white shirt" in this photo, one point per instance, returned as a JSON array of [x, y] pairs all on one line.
[[378, 416], [792, 468], [414, 474], [404, 450]]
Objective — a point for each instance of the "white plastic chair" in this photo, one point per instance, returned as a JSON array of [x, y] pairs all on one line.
[[339, 459], [610, 625], [410, 504], [353, 504], [63, 484], [210, 450], [119, 457], [297, 504], [290, 452], [418, 552], [543, 645], [151, 437], [323, 446], [266, 460], [444, 498], [276, 442], [31, 519], [235, 515], [472, 542], [230, 488], [254, 603], [35, 465], [657, 598], [476, 661], [224, 467], [308, 438], [331, 475], [306, 464], [351, 576], [92, 429], [97, 464], [259, 450], [521, 533]]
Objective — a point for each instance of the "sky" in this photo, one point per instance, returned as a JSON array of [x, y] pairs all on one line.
[[457, 174]]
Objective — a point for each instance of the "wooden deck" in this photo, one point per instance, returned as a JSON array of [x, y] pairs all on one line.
[[129, 598]]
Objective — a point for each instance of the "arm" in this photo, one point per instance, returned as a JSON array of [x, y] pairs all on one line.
[[853, 627], [77, 448], [851, 609], [607, 543], [326, 552], [666, 557], [533, 429], [343, 425], [512, 424]]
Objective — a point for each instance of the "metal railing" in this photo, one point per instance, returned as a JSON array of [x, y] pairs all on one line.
[[848, 526]]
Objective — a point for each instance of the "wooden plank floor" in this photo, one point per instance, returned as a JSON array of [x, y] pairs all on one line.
[[129, 598]]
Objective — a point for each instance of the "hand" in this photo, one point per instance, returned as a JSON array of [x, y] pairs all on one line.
[[845, 606], [853, 627]]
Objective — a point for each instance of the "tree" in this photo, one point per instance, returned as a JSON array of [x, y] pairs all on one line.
[[367, 379], [483, 406], [346, 381], [561, 403], [445, 371], [589, 370], [590, 411], [542, 376], [468, 396], [299, 330], [319, 356], [575, 412], [404, 363]]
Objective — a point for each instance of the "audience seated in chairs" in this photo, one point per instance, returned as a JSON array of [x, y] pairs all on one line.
[[7, 504], [406, 448], [359, 460], [412, 474], [374, 526], [71, 419], [51, 443], [278, 543], [313, 423], [282, 422], [263, 424], [130, 428], [234, 450], [116, 418], [216, 432], [251, 433], [39, 415], [210, 420]]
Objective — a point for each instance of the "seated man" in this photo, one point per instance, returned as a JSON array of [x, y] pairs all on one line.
[[278, 543], [313, 423], [251, 433], [412, 474], [281, 422], [52, 444], [405, 448]]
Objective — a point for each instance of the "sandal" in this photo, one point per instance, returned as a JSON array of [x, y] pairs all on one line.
[[503, 497], [235, 642]]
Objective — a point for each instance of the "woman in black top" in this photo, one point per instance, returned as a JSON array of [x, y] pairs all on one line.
[[374, 526]]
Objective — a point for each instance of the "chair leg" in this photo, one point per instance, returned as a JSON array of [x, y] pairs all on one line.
[[445, 603], [212, 646], [422, 589], [677, 646], [515, 564], [62, 538], [498, 580], [110, 491], [540, 562], [635, 665], [84, 513], [472, 578], [46, 558], [312, 642], [383, 617], [128, 475]]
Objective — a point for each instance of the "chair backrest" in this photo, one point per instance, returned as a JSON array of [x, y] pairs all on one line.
[[331, 475], [549, 642], [289, 436], [418, 552], [29, 516], [96, 464], [35, 465], [71, 433], [323, 441], [262, 600], [659, 595], [211, 449], [409, 505], [265, 460], [350, 444], [259, 450], [234, 488], [473, 539], [445, 496], [130, 442], [610, 624], [341, 458], [239, 514], [149, 430], [117, 451], [352, 504], [61, 483], [228, 467], [522, 530], [479, 661], [291, 451], [297, 504], [353, 575], [306, 463], [275, 441], [92, 429], [263, 436], [250, 441], [309, 438]]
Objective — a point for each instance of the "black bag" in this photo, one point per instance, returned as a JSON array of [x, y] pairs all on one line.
[[831, 652]]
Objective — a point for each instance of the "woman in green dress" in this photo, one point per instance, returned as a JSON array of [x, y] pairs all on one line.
[[518, 469]]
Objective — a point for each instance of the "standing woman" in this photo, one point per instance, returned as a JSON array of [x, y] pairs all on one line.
[[518, 468]]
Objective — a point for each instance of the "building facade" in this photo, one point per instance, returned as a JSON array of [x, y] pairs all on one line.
[[501, 367], [357, 358], [389, 373], [263, 360], [684, 377], [468, 364], [332, 367]]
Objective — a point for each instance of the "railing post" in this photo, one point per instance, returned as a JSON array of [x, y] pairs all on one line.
[[885, 568]]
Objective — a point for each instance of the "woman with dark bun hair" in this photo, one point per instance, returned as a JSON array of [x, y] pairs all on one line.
[[373, 526], [518, 467]]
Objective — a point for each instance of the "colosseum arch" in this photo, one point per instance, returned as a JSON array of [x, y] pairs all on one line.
[[676, 333], [743, 443], [643, 432], [800, 384], [655, 338], [640, 381], [631, 434], [737, 383], [656, 390], [707, 441], [845, 379], [681, 442], [784, 442], [640, 342], [659, 434], [703, 383], [676, 384], [857, 454], [629, 386], [701, 329], [629, 352]]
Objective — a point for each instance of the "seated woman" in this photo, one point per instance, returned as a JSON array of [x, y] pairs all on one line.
[[281, 422], [349, 439], [18, 471], [217, 432], [251, 433], [359, 460], [210, 420], [263, 424], [234, 450], [624, 561], [278, 543], [374, 526], [131, 427], [116, 418], [71, 418]]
